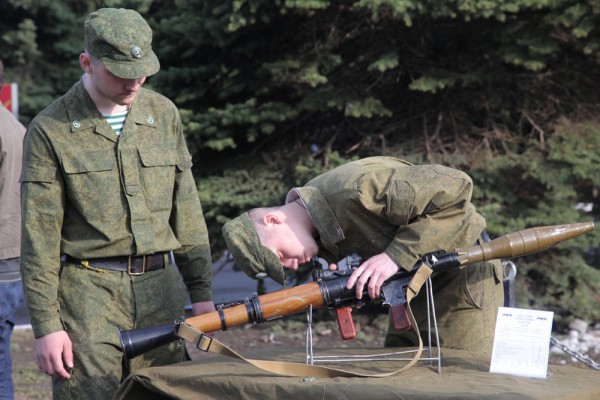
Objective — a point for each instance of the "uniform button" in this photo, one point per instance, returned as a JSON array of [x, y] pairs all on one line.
[[76, 124], [149, 119]]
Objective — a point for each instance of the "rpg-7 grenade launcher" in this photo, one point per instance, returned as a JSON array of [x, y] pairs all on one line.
[[329, 289]]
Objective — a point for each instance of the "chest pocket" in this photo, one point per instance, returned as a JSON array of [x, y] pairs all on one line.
[[91, 178], [158, 176], [84, 170]]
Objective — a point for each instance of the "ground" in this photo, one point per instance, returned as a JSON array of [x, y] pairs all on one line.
[[31, 384]]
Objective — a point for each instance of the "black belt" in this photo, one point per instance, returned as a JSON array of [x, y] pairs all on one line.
[[133, 265]]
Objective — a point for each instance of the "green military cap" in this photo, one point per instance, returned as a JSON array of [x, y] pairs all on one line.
[[248, 252], [122, 40]]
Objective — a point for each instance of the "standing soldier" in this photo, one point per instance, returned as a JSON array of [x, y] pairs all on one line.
[[108, 201]]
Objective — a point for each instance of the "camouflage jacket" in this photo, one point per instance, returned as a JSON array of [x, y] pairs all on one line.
[[383, 204], [88, 193]]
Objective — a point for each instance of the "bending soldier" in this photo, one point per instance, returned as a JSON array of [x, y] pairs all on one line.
[[391, 213]]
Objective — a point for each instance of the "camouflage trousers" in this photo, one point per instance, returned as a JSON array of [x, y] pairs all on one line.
[[466, 304], [93, 303]]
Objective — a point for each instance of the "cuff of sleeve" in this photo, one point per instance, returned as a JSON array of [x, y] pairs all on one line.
[[200, 295], [47, 327], [401, 258]]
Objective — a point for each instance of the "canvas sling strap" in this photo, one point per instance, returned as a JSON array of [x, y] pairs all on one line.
[[206, 343]]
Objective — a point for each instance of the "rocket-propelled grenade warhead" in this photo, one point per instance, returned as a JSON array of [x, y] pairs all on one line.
[[523, 242]]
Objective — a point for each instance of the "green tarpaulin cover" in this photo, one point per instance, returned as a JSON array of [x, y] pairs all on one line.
[[463, 376]]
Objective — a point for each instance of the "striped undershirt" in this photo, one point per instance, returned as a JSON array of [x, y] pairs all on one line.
[[116, 121]]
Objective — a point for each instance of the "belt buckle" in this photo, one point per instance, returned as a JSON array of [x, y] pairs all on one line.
[[130, 272]]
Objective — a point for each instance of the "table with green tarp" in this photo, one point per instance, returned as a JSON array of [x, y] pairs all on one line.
[[463, 376]]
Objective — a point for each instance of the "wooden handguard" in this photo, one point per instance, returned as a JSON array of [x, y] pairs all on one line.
[[261, 308]]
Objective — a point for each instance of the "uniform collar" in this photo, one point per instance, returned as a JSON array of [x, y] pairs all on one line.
[[83, 113], [81, 110], [322, 215], [140, 110]]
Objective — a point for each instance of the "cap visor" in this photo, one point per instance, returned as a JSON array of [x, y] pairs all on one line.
[[134, 69]]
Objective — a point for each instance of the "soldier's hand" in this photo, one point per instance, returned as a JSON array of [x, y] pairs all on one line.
[[54, 353], [375, 271], [202, 307]]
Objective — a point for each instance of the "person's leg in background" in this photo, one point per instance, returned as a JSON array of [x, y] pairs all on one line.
[[11, 296]]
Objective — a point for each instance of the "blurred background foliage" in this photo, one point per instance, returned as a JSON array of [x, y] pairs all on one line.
[[274, 92]]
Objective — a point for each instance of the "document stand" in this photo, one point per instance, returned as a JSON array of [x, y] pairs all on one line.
[[429, 353]]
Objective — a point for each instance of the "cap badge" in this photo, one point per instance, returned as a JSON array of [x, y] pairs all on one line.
[[136, 52]]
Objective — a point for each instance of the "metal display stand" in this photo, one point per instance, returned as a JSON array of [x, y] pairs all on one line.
[[430, 353]]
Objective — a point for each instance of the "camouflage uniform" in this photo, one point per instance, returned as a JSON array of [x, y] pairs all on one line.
[[87, 193], [382, 204], [386, 205]]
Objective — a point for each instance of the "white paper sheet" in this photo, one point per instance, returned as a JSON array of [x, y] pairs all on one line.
[[522, 342]]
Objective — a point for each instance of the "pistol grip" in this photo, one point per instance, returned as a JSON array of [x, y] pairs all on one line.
[[400, 317], [344, 319]]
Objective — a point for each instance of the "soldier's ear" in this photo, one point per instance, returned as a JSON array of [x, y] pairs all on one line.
[[85, 61], [272, 219]]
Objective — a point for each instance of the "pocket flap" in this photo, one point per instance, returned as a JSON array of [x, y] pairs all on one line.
[[38, 172], [87, 161], [156, 157]]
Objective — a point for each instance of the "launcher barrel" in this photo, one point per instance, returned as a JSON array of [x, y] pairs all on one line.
[[328, 292]]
